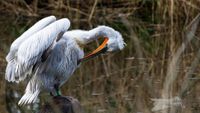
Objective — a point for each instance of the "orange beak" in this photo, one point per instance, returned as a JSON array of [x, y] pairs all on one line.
[[97, 51]]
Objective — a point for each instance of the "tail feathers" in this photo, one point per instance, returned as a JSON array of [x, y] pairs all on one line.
[[29, 98]]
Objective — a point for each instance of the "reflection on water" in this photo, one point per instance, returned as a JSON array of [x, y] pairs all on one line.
[[138, 79]]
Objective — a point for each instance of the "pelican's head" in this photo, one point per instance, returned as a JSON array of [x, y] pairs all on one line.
[[113, 41]]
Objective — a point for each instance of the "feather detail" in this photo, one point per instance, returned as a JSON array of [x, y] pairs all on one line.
[[35, 28], [30, 51], [28, 98]]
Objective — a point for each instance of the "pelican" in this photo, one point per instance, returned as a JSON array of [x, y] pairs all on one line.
[[47, 54]]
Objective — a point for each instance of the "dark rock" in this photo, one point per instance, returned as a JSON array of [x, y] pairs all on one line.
[[62, 104]]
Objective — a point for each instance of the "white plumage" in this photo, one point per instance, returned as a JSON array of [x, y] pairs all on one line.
[[49, 54]]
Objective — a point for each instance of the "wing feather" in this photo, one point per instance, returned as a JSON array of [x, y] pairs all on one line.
[[35, 28], [31, 50], [11, 57]]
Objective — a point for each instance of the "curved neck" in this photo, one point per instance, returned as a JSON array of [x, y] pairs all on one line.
[[95, 33], [85, 37]]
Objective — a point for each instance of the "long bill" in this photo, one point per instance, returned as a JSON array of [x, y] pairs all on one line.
[[101, 49]]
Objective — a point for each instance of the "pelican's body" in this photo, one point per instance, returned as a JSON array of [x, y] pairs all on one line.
[[55, 70], [49, 54]]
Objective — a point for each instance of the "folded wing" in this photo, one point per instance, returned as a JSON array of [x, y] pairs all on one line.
[[31, 49], [35, 28]]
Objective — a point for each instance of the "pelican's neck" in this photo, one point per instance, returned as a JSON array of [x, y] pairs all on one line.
[[94, 34], [83, 37]]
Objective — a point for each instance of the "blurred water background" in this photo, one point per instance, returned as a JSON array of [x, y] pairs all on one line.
[[157, 72]]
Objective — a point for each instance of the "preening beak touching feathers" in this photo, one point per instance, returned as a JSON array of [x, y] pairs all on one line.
[[113, 40], [49, 54]]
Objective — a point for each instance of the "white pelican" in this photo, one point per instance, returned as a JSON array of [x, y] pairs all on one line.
[[48, 54]]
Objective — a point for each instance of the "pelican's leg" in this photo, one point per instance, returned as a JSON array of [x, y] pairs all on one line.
[[51, 94], [58, 93]]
